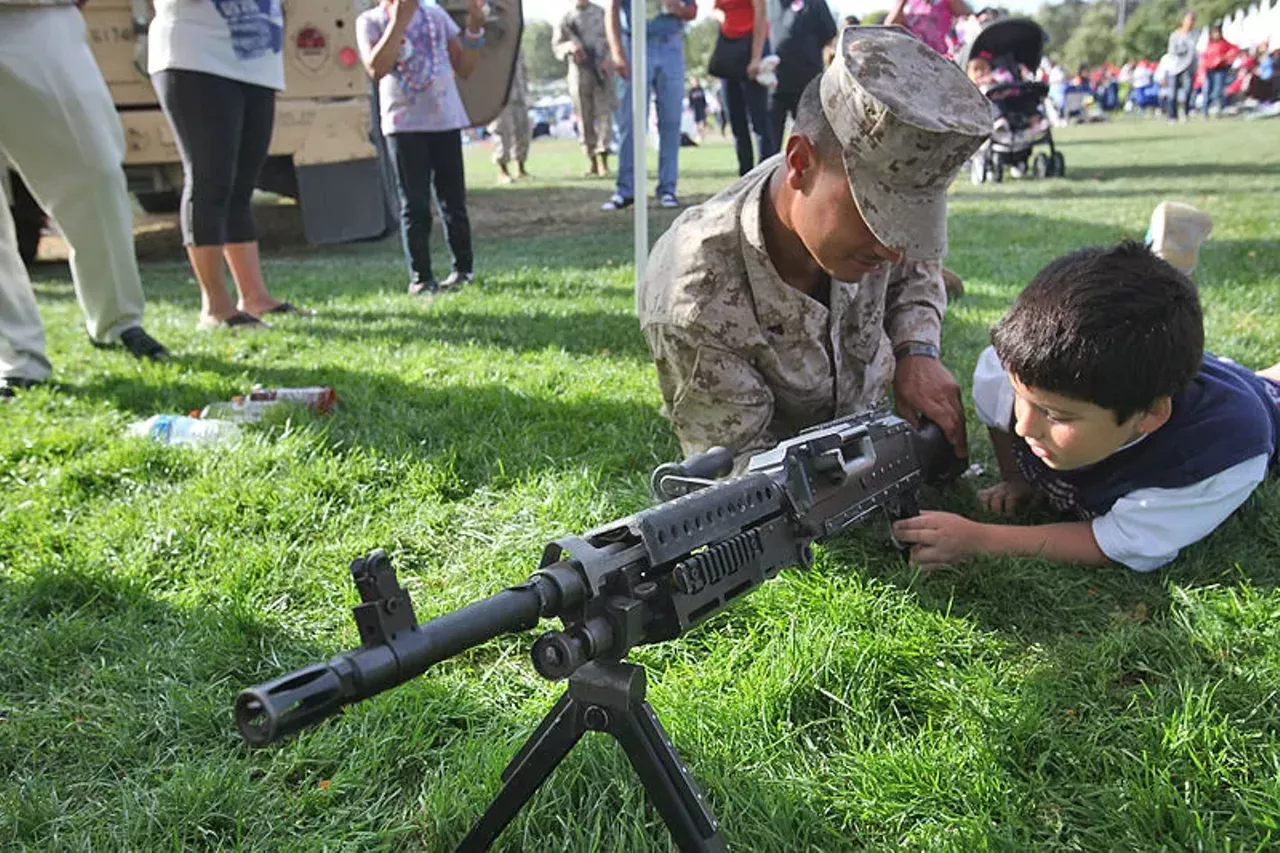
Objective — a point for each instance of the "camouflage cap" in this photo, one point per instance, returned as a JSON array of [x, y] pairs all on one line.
[[907, 120]]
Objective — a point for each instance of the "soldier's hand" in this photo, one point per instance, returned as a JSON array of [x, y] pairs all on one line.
[[579, 53], [923, 386]]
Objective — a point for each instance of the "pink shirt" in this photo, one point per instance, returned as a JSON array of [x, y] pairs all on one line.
[[930, 21]]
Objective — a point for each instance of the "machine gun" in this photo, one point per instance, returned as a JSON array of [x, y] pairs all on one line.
[[643, 579]]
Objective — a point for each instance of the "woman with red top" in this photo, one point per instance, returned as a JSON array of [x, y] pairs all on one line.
[[746, 100], [1216, 59]]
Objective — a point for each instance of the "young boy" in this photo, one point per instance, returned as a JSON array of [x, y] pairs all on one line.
[[1100, 398]]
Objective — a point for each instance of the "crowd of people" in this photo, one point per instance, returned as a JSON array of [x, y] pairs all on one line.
[[807, 289]]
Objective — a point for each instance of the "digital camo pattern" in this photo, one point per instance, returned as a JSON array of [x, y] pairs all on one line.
[[591, 87], [745, 360]]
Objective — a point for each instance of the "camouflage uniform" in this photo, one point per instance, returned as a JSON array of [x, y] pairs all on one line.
[[511, 130], [745, 360], [592, 92]]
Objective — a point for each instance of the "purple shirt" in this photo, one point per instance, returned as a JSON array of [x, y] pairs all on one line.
[[420, 92]]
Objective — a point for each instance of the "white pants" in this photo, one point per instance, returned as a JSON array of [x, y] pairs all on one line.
[[60, 131]]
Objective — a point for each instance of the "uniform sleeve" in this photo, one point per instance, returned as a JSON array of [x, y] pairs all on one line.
[[711, 395], [1147, 528], [992, 391], [914, 302]]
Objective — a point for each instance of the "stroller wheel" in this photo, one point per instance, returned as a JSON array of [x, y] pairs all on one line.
[[1057, 165], [1040, 166]]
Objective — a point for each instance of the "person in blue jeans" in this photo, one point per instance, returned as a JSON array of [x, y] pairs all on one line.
[[664, 58]]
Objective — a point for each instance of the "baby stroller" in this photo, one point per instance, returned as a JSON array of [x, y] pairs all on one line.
[[1020, 120]]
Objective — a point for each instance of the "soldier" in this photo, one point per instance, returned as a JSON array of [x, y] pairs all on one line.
[[581, 38], [813, 284], [511, 129]]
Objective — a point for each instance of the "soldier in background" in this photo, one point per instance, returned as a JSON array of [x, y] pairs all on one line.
[[511, 130], [580, 38], [813, 285]]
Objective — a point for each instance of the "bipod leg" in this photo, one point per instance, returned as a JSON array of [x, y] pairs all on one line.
[[612, 696], [559, 730]]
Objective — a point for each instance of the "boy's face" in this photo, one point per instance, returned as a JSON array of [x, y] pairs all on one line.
[[1067, 433]]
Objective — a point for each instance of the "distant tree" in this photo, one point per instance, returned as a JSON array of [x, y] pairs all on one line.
[[1094, 40], [876, 17], [1060, 20], [539, 60], [1146, 33], [699, 41]]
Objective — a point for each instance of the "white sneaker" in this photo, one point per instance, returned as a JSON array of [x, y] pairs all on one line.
[[1177, 232]]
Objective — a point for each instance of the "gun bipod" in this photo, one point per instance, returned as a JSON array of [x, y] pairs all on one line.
[[607, 697]]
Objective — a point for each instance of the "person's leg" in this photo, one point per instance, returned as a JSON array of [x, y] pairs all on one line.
[[624, 188], [604, 96], [735, 103], [241, 248], [22, 351], [445, 150], [757, 98], [1176, 233], [411, 155], [500, 134], [584, 108], [63, 134], [668, 83], [523, 133], [1172, 103], [207, 115]]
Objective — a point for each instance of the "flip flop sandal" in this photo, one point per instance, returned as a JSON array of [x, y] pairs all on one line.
[[290, 308], [237, 322]]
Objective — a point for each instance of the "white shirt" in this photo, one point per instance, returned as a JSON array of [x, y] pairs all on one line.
[[1147, 527], [236, 39]]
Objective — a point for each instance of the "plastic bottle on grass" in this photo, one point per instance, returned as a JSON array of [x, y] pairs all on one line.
[[237, 409], [180, 429], [318, 398]]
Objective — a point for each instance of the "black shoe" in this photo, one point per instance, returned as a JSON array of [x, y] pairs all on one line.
[[423, 288], [455, 280], [141, 345], [10, 384], [617, 202], [138, 343]]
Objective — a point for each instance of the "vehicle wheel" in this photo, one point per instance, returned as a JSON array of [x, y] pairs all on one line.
[[978, 169], [997, 171], [1057, 165], [163, 201], [1040, 166]]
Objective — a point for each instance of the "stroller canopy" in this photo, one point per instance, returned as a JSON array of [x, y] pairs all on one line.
[[1022, 39]]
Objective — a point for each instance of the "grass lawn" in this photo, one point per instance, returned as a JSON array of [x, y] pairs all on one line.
[[1007, 704]]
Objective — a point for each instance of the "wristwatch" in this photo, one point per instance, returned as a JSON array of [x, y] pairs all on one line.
[[916, 348]]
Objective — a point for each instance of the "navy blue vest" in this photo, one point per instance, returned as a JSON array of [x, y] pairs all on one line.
[[1224, 417]]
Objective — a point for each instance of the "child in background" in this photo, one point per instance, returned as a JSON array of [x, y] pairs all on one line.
[[1100, 398], [413, 51]]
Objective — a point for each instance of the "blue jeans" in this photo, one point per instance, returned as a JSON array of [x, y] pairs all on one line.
[[424, 160], [665, 68], [1215, 87]]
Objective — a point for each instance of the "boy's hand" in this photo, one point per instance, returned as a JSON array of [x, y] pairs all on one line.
[[402, 12], [939, 538], [1008, 496]]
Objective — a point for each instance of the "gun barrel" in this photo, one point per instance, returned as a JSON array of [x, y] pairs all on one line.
[[269, 711]]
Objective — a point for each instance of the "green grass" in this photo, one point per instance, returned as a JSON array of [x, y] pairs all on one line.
[[1006, 705]]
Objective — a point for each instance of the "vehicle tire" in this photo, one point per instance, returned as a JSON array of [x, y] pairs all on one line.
[[1040, 166], [161, 201], [1058, 165]]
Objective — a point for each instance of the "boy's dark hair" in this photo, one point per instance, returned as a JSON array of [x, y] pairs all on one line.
[[811, 122], [1115, 326]]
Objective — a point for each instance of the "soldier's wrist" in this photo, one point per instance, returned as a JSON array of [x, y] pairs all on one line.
[[920, 348]]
